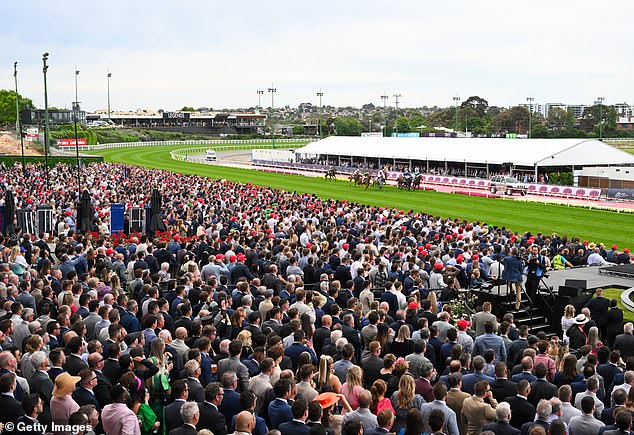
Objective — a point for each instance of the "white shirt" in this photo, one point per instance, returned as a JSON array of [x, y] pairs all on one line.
[[596, 259]]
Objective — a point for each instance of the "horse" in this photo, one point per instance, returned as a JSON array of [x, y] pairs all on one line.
[[404, 181], [417, 181], [366, 180], [331, 173], [356, 178], [378, 181]]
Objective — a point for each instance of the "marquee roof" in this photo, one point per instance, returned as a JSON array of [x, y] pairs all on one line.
[[521, 152]]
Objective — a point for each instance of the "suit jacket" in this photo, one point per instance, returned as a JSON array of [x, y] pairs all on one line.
[[233, 364], [196, 391], [296, 349], [74, 365], [53, 372], [10, 409], [526, 426], [84, 397], [522, 411], [469, 381], [501, 428], [294, 428], [206, 374], [230, 404], [371, 366], [260, 385], [477, 413], [608, 371], [279, 412], [41, 384], [173, 417], [212, 419], [28, 422], [541, 389], [503, 388], [320, 335], [375, 431], [625, 344], [102, 389], [185, 429], [424, 388], [112, 370], [352, 335]]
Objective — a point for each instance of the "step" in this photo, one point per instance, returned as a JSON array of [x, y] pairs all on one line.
[[540, 327], [528, 321]]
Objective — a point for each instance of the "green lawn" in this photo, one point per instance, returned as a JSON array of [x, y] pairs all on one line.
[[595, 225], [615, 293]]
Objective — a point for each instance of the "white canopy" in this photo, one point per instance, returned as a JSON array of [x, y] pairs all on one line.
[[520, 152]]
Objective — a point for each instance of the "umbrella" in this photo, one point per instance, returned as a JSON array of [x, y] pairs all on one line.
[[84, 213], [9, 213], [156, 202]]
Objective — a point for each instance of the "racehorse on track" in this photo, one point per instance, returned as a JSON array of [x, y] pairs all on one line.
[[404, 181], [417, 181], [379, 181], [366, 180], [356, 178], [331, 173]]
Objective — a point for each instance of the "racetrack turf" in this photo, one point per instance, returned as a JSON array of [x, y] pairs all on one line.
[[594, 225]]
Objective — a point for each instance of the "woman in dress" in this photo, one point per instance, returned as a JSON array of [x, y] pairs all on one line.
[[140, 398], [379, 401], [402, 345], [325, 379], [567, 320], [352, 387], [593, 339], [403, 400]]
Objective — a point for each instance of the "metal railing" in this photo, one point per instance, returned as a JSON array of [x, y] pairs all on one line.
[[186, 154], [195, 142]]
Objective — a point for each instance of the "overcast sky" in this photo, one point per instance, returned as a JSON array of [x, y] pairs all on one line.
[[166, 54]]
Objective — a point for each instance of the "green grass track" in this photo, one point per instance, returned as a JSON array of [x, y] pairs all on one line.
[[595, 225]]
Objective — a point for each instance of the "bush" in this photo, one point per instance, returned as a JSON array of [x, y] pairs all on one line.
[[561, 178]]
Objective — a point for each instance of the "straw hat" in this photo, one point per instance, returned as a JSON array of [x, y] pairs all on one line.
[[64, 384]]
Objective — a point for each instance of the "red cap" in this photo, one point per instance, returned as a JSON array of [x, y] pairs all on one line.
[[460, 258], [428, 246], [232, 258], [309, 245], [345, 246], [412, 305], [626, 250], [241, 257], [438, 266], [463, 324], [614, 247], [474, 257], [109, 252], [220, 257]]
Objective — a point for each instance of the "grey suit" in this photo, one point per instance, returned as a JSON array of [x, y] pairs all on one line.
[[585, 424], [260, 385], [480, 319], [233, 364]]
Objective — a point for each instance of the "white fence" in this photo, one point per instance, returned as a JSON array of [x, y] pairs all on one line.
[[195, 142], [188, 154]]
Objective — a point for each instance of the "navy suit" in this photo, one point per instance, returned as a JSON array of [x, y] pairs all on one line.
[[130, 323], [295, 350], [469, 381], [206, 375], [294, 428], [230, 404], [279, 412], [212, 419], [260, 426], [375, 431], [84, 397], [18, 393], [173, 417]]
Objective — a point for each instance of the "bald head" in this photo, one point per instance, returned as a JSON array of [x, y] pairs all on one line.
[[326, 320], [365, 398], [245, 422], [69, 336]]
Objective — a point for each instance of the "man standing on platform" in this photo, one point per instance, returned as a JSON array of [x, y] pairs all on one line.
[[536, 268]]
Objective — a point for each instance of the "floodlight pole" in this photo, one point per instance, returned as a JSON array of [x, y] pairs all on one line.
[[46, 132], [456, 99], [76, 115], [319, 94], [108, 79], [273, 90], [384, 98], [259, 92], [530, 116], [601, 99], [396, 97], [18, 124]]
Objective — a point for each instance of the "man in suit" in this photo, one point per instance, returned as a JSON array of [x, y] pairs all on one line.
[[543, 411], [541, 388], [321, 334], [599, 307], [102, 389], [210, 417], [439, 403], [527, 371], [32, 405], [385, 420], [502, 425], [230, 404], [74, 362], [245, 423], [261, 384], [502, 387], [57, 358], [479, 409], [469, 381], [111, 367], [624, 343], [351, 334], [190, 415], [523, 410], [10, 409], [623, 423], [423, 383], [480, 318], [372, 365], [298, 347], [180, 393], [586, 424], [456, 397], [297, 426], [490, 341], [40, 383], [279, 409], [610, 369], [233, 364], [84, 394], [196, 390]]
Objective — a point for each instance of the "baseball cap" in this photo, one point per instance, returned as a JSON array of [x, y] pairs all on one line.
[[463, 324]]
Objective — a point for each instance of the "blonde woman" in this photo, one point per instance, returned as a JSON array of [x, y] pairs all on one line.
[[325, 380], [34, 343], [433, 302], [352, 387], [403, 400], [245, 337], [567, 320], [402, 344], [17, 262]]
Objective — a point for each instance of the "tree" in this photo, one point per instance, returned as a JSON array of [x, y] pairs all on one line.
[[478, 104], [348, 126], [298, 129], [540, 132], [513, 120], [187, 109], [560, 119], [594, 115], [7, 106], [402, 124]]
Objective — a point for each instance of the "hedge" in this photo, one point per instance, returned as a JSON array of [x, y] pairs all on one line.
[[52, 161]]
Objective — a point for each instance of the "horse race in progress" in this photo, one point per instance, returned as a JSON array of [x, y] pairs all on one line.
[[405, 218]]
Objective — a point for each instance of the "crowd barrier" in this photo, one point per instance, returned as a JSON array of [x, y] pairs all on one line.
[[194, 142]]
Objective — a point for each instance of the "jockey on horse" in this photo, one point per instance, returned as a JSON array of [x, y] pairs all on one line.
[[331, 173]]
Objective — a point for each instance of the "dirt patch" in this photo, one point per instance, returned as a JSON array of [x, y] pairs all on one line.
[[9, 146]]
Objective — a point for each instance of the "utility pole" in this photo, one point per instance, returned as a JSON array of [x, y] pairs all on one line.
[[601, 99], [76, 115], [18, 124], [46, 132], [456, 99], [530, 116], [273, 90], [396, 97], [319, 94], [384, 98]]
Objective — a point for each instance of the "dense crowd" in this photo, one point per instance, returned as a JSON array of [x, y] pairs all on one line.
[[261, 311]]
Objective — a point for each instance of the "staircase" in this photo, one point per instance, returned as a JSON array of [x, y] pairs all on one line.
[[535, 317]]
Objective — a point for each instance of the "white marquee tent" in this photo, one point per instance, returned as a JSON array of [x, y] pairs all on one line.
[[527, 153]]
